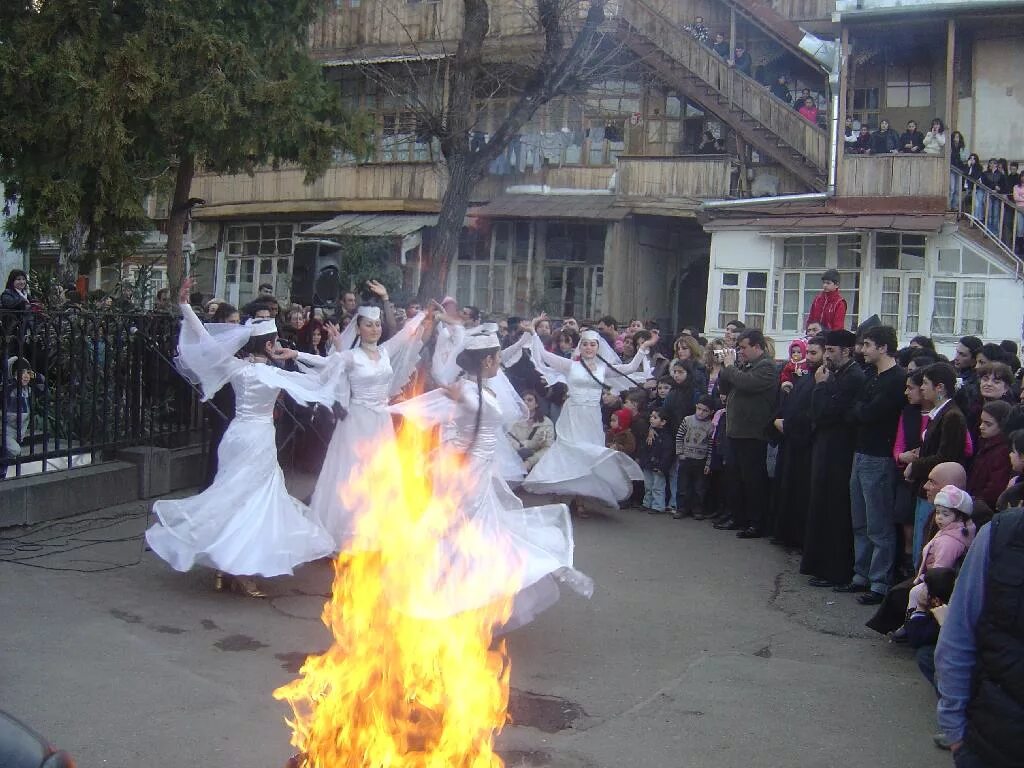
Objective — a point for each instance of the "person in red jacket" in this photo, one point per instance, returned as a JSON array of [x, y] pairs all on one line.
[[829, 306]]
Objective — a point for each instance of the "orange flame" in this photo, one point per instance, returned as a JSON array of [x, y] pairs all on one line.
[[407, 683]]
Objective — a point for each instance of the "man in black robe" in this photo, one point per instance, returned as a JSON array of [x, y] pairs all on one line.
[[792, 479], [828, 538]]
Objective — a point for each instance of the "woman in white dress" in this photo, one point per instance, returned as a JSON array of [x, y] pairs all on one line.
[[579, 464], [540, 537], [245, 524], [365, 376], [445, 371]]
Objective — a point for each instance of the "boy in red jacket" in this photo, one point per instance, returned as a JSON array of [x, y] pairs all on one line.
[[829, 306]]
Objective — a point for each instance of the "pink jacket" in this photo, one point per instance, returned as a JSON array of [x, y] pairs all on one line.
[[946, 547]]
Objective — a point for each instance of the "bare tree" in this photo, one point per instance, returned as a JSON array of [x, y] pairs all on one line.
[[441, 90]]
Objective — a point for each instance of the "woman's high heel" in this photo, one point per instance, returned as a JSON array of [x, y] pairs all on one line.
[[248, 587]]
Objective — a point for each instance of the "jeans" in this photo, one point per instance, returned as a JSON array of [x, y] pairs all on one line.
[[922, 513], [693, 485], [752, 484], [872, 497], [672, 483], [979, 203], [654, 490], [954, 191]]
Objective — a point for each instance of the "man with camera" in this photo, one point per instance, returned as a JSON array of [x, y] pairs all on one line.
[[751, 381]]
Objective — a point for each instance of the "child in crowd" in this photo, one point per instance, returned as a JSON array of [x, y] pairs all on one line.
[[797, 365], [947, 548], [21, 380], [619, 435], [636, 403], [693, 447], [655, 456], [610, 403], [1013, 496], [990, 470], [679, 403], [721, 465]]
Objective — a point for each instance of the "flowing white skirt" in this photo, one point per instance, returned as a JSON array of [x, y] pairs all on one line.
[[527, 551], [245, 523], [578, 464], [361, 430]]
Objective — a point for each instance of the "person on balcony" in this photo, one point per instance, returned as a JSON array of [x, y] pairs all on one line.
[[800, 100], [934, 141], [1018, 201], [912, 140], [742, 60], [809, 111], [699, 30], [829, 306], [994, 181], [780, 88], [957, 162], [721, 46], [885, 140], [861, 144]]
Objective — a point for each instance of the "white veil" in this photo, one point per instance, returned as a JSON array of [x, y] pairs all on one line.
[[615, 381]]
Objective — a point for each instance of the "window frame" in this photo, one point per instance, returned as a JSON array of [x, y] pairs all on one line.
[[851, 284]]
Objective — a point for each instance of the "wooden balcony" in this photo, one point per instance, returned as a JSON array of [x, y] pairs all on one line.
[[657, 178], [805, 10], [371, 187], [893, 176]]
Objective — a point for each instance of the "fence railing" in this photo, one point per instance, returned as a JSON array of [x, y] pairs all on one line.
[[993, 214], [893, 175], [99, 382]]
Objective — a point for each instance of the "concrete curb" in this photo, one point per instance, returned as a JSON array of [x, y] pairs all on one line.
[[137, 473]]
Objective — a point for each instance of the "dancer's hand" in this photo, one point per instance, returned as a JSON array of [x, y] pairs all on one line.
[[651, 341], [281, 354], [333, 332], [186, 290], [378, 289], [453, 392]]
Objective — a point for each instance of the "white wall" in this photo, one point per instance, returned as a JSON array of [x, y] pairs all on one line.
[[733, 251], [997, 109]]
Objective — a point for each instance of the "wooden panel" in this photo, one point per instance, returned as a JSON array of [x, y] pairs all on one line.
[[805, 10], [402, 23], [893, 176], [694, 176], [372, 182]]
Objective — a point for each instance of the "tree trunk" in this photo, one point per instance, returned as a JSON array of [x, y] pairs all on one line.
[[445, 246], [70, 256], [178, 220]]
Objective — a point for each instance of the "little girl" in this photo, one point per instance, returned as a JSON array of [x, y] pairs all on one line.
[[953, 509], [21, 380], [620, 434], [797, 365]]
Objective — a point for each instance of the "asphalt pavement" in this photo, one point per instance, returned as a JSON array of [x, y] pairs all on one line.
[[697, 649]]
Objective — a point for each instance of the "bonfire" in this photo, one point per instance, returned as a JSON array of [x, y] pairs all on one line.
[[408, 682]]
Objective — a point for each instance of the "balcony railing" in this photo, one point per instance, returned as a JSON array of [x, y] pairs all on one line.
[[695, 176], [894, 176]]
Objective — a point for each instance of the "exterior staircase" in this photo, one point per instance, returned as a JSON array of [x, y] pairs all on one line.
[[768, 124], [777, 26]]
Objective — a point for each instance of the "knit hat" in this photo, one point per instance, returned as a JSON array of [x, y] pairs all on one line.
[[832, 275], [625, 417], [954, 498]]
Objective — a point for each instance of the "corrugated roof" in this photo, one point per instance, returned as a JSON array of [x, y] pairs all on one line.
[[371, 225], [553, 207]]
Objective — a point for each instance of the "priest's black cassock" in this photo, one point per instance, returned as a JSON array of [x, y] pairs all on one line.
[[828, 539], [792, 473]]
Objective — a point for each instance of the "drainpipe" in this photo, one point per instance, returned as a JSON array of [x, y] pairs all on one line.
[[803, 197], [833, 153]]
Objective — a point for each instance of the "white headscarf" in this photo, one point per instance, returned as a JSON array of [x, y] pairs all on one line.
[[351, 332]]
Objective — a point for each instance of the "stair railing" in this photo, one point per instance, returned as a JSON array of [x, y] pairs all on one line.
[[992, 213]]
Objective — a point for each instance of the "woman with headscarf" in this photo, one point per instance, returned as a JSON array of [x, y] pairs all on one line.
[[538, 538], [364, 376], [245, 524], [578, 464]]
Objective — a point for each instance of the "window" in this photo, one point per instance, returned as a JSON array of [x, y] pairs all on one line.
[[743, 296], [958, 261], [804, 259], [493, 267], [258, 253], [864, 106], [958, 308], [574, 290], [908, 85], [900, 303], [898, 250]]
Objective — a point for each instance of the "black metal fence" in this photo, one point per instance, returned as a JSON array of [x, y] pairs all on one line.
[[78, 386]]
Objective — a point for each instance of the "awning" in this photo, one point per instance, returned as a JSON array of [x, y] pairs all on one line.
[[602, 207], [371, 225]]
